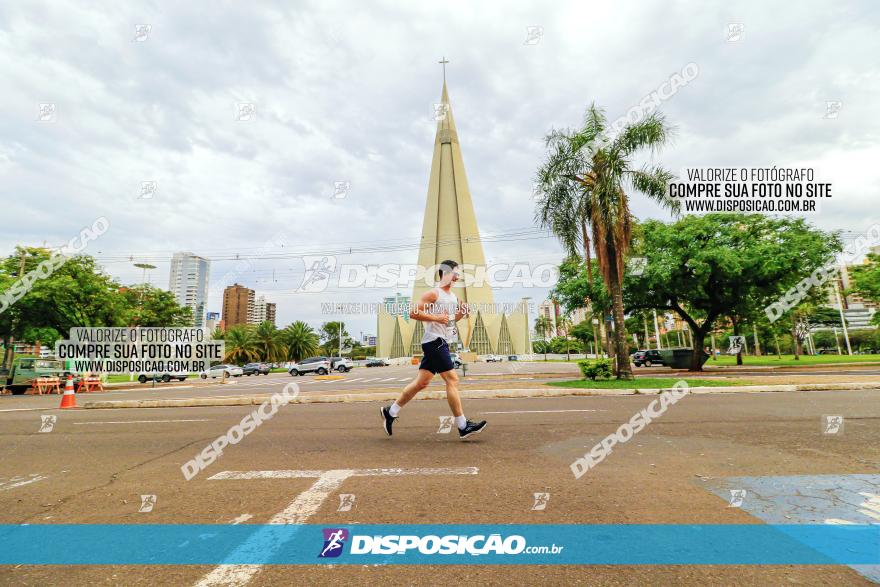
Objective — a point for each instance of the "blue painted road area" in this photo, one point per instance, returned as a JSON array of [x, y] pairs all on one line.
[[806, 499]]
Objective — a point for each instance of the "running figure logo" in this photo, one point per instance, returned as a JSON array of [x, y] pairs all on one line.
[[832, 424], [737, 496], [47, 423], [318, 270], [334, 541], [541, 500], [346, 502], [147, 503], [736, 344]]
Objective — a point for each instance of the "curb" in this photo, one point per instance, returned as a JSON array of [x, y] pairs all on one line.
[[256, 399]]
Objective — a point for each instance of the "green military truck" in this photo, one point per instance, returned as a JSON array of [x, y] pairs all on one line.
[[26, 369]]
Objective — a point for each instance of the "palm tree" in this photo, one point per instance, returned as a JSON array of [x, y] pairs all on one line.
[[268, 341], [542, 327], [241, 346], [300, 340], [583, 181]]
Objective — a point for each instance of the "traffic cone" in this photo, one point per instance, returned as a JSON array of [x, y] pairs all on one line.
[[68, 400]]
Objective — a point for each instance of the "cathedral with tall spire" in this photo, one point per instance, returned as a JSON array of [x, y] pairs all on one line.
[[449, 231]]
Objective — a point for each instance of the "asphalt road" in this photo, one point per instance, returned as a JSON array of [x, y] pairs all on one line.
[[93, 466]]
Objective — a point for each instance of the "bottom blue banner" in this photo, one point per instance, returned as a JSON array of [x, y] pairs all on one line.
[[417, 544]]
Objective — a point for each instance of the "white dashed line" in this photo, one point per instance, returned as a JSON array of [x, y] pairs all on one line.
[[20, 481]]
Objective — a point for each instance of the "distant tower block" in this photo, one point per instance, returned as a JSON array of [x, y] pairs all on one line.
[[450, 231]]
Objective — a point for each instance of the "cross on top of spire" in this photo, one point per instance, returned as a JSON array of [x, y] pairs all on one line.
[[443, 62]]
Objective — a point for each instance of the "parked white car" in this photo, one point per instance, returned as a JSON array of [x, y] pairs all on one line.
[[164, 377], [341, 364], [219, 370], [317, 365], [493, 358]]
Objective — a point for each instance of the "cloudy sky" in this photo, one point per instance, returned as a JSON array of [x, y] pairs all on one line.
[[344, 92]]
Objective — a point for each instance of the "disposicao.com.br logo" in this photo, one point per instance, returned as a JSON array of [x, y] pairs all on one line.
[[431, 544]]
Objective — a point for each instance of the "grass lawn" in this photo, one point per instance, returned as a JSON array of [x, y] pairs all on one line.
[[646, 383], [770, 360], [788, 360]]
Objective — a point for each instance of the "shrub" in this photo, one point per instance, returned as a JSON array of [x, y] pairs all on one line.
[[599, 369]]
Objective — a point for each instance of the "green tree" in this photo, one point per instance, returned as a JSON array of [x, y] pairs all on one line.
[[330, 333], [72, 293], [583, 333], [587, 174], [866, 279], [707, 267], [300, 340], [543, 326], [269, 343], [241, 345], [148, 306]]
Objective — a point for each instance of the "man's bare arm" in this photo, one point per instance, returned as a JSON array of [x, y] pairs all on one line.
[[418, 311]]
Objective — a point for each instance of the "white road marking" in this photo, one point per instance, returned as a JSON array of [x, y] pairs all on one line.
[[27, 409], [20, 481], [353, 380], [299, 510], [538, 411], [140, 422], [389, 379], [871, 505], [373, 379], [404, 379], [240, 519]]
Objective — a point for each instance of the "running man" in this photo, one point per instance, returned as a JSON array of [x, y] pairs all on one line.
[[439, 309]]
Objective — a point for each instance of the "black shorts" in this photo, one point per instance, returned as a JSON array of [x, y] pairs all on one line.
[[436, 357]]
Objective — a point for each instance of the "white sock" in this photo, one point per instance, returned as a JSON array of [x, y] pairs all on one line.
[[394, 410], [461, 422]]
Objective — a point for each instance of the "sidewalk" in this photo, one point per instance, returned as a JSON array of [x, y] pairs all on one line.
[[527, 392]]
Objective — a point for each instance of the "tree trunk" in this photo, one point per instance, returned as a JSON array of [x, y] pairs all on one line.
[[776, 342], [585, 237], [739, 355], [697, 350], [624, 368], [796, 341]]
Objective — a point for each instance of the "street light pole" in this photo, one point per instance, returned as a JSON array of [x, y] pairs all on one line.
[[657, 331], [842, 319], [144, 267]]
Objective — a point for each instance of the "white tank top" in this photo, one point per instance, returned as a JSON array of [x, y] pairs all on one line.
[[446, 303]]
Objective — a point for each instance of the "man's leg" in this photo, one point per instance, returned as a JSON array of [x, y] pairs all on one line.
[[453, 398], [389, 413], [423, 378], [465, 426]]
